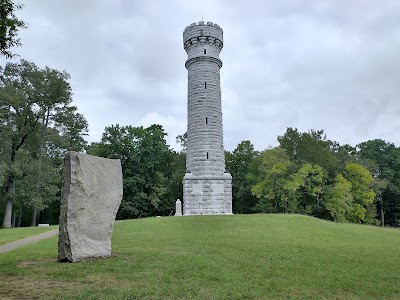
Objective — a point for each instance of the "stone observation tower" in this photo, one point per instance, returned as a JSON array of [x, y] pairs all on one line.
[[207, 188]]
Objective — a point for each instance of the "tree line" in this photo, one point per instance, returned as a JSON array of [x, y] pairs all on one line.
[[310, 174], [306, 173]]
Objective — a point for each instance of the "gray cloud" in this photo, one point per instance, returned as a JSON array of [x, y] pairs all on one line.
[[329, 65]]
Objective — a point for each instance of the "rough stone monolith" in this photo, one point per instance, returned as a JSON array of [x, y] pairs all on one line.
[[92, 193]]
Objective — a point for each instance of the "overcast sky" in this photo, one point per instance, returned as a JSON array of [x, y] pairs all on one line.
[[332, 64]]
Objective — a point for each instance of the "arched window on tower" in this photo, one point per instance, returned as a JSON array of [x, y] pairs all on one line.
[[205, 85], [205, 51]]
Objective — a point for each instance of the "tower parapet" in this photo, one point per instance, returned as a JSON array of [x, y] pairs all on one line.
[[203, 36]]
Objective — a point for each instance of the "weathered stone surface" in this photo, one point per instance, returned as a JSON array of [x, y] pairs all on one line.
[[178, 208], [207, 195], [207, 188], [92, 193]]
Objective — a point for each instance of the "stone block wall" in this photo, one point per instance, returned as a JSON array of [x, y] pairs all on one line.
[[207, 188], [205, 147], [207, 195]]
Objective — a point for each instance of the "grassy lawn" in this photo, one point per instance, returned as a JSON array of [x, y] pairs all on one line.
[[8, 235], [217, 257]]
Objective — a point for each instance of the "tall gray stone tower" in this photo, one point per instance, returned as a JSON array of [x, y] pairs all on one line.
[[207, 188]]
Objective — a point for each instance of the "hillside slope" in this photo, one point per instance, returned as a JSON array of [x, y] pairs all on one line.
[[220, 257]]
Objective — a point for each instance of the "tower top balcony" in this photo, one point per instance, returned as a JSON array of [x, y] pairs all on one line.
[[202, 32]]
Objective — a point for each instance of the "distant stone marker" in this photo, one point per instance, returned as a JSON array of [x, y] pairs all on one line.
[[178, 208], [92, 193]]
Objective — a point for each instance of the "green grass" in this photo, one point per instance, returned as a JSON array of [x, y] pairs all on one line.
[[217, 257], [8, 235]]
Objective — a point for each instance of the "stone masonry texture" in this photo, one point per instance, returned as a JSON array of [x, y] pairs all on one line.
[[207, 188], [92, 193]]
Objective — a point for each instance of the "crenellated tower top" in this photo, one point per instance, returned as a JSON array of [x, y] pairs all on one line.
[[202, 33]]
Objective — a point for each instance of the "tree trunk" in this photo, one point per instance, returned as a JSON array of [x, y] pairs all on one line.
[[42, 216], [10, 192], [33, 222], [14, 216], [7, 215], [19, 218], [382, 213]]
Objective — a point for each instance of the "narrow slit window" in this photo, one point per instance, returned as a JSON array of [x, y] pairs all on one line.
[[206, 120], [205, 51], [205, 85], [207, 155]]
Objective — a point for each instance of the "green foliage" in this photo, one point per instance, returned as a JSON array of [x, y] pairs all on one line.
[[310, 174], [270, 189], [310, 147], [238, 164], [307, 174], [363, 196], [285, 187], [39, 183], [150, 168], [383, 159], [182, 140], [339, 199], [305, 188], [3, 172], [9, 26], [38, 125], [35, 107]]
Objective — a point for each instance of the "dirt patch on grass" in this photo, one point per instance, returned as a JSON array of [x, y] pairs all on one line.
[[35, 262], [17, 287]]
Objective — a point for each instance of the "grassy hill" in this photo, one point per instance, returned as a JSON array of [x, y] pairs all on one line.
[[217, 257]]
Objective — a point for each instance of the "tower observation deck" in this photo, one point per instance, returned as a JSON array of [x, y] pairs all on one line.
[[207, 187]]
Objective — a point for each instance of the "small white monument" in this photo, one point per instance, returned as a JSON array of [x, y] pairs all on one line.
[[178, 206]]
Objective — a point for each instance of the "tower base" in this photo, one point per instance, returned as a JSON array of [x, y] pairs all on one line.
[[207, 195]]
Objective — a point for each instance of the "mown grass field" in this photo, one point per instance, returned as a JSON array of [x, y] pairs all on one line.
[[8, 235], [217, 257]]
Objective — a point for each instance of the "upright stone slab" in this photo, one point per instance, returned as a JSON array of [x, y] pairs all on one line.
[[92, 193], [207, 188]]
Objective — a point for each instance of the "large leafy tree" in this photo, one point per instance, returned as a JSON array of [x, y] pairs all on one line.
[[270, 188], [147, 163], [310, 147], [284, 186], [37, 185], [363, 195], [9, 26], [37, 115], [379, 186], [383, 159], [238, 163], [305, 188], [339, 199]]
